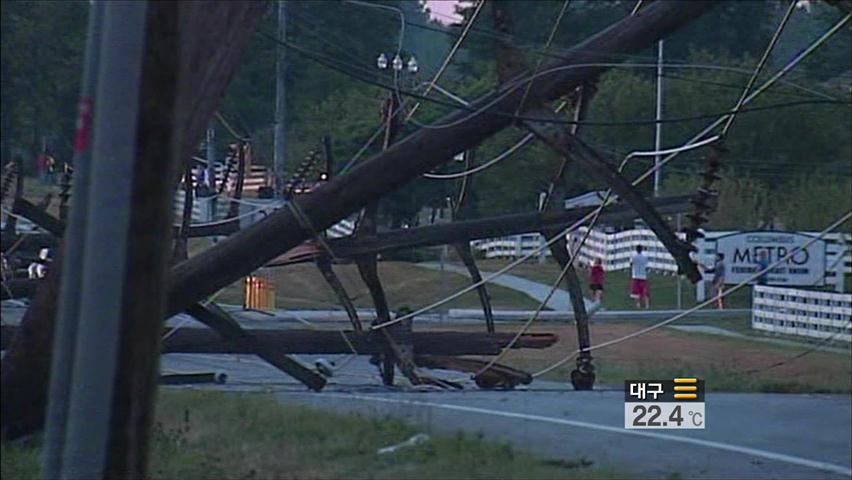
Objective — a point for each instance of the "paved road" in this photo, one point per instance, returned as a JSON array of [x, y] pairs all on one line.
[[747, 435]]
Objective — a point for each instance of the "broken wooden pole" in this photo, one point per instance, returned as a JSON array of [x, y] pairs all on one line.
[[329, 342], [583, 378], [464, 252], [467, 230], [419, 153], [181, 248], [324, 266], [27, 209], [219, 320], [496, 376], [459, 210], [560, 139]]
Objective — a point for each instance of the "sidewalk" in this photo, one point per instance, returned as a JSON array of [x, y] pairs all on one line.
[[560, 300]]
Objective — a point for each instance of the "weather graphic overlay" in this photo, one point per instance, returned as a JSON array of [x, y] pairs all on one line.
[[664, 404]]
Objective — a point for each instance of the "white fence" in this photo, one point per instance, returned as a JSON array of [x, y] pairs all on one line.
[[616, 248], [513, 246], [802, 312]]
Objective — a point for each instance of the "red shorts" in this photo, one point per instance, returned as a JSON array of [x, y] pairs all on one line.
[[639, 288]]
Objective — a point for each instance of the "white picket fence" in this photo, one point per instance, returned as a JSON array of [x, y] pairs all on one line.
[[512, 246], [804, 313], [615, 249]]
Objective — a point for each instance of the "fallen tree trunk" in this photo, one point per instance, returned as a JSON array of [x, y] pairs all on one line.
[[329, 342]]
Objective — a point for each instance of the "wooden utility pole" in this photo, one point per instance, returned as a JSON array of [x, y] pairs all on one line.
[[213, 36], [280, 147], [368, 264], [419, 153]]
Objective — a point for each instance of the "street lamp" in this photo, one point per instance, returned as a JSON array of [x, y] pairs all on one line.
[[397, 63], [397, 67]]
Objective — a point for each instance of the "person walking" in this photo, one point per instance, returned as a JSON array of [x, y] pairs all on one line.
[[639, 289], [596, 280], [719, 270]]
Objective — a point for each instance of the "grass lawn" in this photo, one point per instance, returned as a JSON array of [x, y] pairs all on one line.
[[202, 435], [406, 285], [617, 286], [723, 361]]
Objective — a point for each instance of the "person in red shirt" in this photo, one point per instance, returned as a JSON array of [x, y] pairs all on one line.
[[596, 280]]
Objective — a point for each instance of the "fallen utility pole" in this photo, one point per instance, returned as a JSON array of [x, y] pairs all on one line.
[[462, 231], [448, 233], [225, 26], [330, 342], [419, 153], [568, 145], [27, 209], [221, 322]]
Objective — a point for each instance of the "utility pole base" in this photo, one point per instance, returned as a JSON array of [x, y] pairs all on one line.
[[583, 377]]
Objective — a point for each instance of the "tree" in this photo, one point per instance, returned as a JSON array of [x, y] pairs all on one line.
[[814, 201], [42, 54]]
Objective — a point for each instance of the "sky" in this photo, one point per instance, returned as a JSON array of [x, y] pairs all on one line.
[[443, 10]]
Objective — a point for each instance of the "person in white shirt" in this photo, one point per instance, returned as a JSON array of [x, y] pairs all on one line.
[[639, 289]]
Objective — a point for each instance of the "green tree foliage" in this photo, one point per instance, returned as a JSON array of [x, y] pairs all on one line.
[[743, 202], [812, 202], [41, 48], [42, 45]]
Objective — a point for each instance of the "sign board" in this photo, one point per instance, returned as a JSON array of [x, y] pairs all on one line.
[[742, 250]]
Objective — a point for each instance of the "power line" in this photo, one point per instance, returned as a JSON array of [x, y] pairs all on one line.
[[449, 56], [672, 62], [759, 66], [482, 110]]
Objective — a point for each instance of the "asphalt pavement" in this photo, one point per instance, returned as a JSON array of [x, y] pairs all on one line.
[[765, 436]]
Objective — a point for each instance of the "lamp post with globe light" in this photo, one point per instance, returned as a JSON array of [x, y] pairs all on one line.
[[390, 106]]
